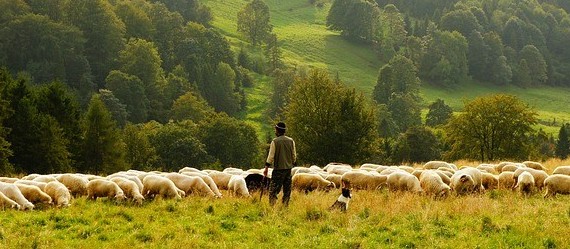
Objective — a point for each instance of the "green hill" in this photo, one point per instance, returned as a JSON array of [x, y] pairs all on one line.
[[305, 40]]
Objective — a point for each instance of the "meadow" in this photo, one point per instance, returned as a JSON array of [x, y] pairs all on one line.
[[375, 219], [306, 42]]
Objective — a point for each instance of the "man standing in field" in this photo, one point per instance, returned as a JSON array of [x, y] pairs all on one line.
[[283, 156]]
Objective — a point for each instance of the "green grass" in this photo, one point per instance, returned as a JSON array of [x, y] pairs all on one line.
[[379, 219], [306, 42]]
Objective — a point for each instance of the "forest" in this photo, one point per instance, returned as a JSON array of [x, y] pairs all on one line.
[[100, 86]]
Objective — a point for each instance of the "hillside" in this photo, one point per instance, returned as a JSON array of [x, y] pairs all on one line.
[[305, 40]]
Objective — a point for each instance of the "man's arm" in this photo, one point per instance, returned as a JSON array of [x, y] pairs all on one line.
[[294, 154]]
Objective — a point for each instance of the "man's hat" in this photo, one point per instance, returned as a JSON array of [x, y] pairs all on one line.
[[281, 126]]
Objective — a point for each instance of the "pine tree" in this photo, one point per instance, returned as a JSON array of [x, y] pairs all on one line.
[[563, 144], [103, 149]]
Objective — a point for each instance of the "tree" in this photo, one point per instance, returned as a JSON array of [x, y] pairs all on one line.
[[439, 113], [139, 153], [130, 91], [460, 20], [254, 21], [137, 23], [103, 32], [393, 30], [329, 122], [445, 59], [103, 149], [417, 144], [563, 143], [478, 56], [536, 64], [356, 19], [190, 106], [177, 146], [230, 141], [492, 128], [5, 112], [141, 58], [273, 52], [220, 92], [117, 109], [406, 111], [282, 81]]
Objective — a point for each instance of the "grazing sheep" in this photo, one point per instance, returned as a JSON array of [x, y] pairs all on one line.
[[539, 176], [466, 181], [30, 177], [128, 176], [337, 168], [438, 164], [432, 184], [510, 167], [557, 184], [489, 168], [535, 165], [499, 167], [364, 180], [525, 183], [76, 184], [34, 194], [208, 181], [154, 185], [59, 194], [506, 180], [8, 179], [489, 181], [11, 191], [233, 171], [130, 189], [104, 188], [5, 201], [369, 166], [300, 169], [190, 184], [403, 181], [562, 170], [334, 178], [45, 178], [238, 186], [221, 179], [391, 170], [445, 176], [408, 169], [461, 184], [41, 185], [309, 182], [190, 169], [448, 171], [418, 172]]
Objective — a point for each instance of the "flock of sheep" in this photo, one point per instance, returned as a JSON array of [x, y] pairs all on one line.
[[435, 178]]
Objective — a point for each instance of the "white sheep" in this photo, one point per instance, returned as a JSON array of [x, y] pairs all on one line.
[[34, 194], [76, 184], [525, 183], [41, 185], [130, 189], [45, 178], [562, 170], [5, 201], [463, 185], [535, 165], [364, 180], [432, 184], [13, 192], [213, 186], [8, 179], [439, 164], [104, 188], [309, 182], [59, 194], [489, 180], [154, 185], [238, 186], [557, 184], [539, 176], [334, 178], [403, 181], [128, 176], [190, 184], [506, 180], [221, 179]]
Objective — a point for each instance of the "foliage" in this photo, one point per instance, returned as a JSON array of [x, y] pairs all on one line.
[[329, 122], [438, 114], [254, 21], [190, 106], [282, 81], [178, 146], [418, 144], [356, 19], [139, 153], [563, 143], [445, 60], [492, 128], [103, 149], [5, 112], [117, 109], [130, 91], [230, 141]]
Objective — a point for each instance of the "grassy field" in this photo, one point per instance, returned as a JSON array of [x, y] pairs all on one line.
[[375, 219], [301, 29]]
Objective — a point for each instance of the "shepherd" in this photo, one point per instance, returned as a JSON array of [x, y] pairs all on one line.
[[283, 156]]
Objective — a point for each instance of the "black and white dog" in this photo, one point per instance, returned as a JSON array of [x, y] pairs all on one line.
[[343, 200]]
